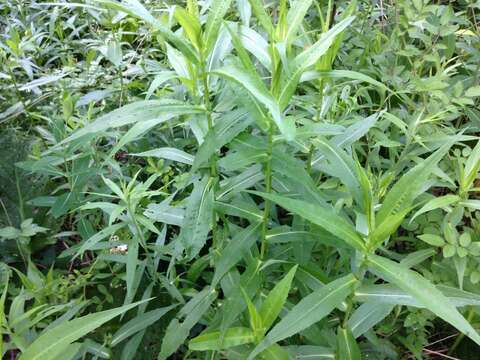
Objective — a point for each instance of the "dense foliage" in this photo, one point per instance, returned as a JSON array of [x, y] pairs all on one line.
[[239, 179]]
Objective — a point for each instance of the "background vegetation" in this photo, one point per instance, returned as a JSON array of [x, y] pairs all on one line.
[[239, 179]]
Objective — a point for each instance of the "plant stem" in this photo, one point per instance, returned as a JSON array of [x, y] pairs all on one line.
[[268, 189], [460, 337], [213, 161], [120, 76]]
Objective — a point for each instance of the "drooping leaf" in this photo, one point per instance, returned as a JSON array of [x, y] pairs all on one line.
[[308, 311], [403, 193], [347, 347], [423, 291], [320, 216], [139, 323], [179, 328], [53, 342], [198, 217], [213, 341], [273, 304], [257, 89]]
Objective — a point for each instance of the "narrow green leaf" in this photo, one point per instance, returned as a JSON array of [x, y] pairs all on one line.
[[178, 330], [213, 341], [306, 59], [53, 342], [320, 216], [338, 74], [234, 251], [387, 228], [295, 17], [402, 194], [136, 9], [436, 203], [190, 25], [254, 85], [423, 291], [263, 18], [139, 323], [198, 217], [218, 9], [132, 113], [169, 154], [366, 316], [222, 133], [273, 304], [347, 347], [308, 311]]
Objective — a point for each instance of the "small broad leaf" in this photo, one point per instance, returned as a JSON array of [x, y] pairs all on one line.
[[432, 239], [423, 291], [308, 311]]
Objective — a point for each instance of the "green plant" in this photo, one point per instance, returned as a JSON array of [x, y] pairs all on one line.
[[287, 179]]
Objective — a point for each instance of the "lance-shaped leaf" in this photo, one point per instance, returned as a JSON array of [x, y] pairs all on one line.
[[213, 340], [191, 313], [136, 9], [423, 291], [273, 304], [139, 323], [347, 347], [308, 311], [190, 25], [295, 17], [367, 316], [198, 217], [259, 92], [132, 113], [53, 342], [341, 166], [263, 18], [321, 216], [402, 194], [168, 153], [306, 59], [233, 252], [222, 133], [218, 9]]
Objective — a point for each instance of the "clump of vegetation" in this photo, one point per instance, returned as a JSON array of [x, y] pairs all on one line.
[[239, 179]]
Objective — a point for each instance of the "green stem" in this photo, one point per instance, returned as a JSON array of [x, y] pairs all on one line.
[[268, 189], [120, 76], [213, 162], [20, 197], [460, 337]]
